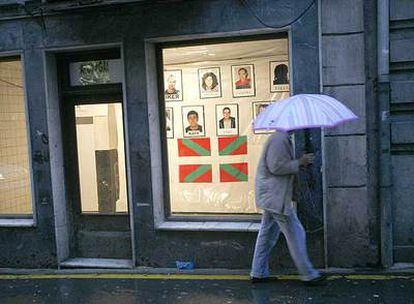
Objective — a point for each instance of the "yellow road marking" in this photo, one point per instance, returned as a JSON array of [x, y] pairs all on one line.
[[128, 276]]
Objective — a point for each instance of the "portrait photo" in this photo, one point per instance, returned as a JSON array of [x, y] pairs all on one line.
[[279, 76], [209, 82], [169, 122], [227, 119], [173, 85], [243, 80], [193, 121], [257, 108]]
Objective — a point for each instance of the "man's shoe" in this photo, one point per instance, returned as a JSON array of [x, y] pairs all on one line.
[[263, 280], [318, 281]]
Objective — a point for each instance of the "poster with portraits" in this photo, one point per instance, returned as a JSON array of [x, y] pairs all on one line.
[[279, 76], [169, 122], [257, 108], [173, 85], [243, 80], [227, 119], [193, 121], [209, 82]]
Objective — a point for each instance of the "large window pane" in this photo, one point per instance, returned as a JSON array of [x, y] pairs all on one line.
[[15, 186], [212, 93]]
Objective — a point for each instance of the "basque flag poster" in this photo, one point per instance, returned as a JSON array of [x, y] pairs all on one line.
[[237, 172], [195, 174], [194, 147], [234, 145]]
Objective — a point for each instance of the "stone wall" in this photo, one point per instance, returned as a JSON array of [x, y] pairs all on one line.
[[347, 68]]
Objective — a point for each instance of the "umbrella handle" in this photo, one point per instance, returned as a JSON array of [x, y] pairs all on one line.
[[309, 148]]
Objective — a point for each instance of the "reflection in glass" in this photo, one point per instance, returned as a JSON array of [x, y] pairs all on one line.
[[101, 158]]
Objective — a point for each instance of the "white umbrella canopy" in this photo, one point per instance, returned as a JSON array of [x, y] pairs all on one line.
[[303, 111]]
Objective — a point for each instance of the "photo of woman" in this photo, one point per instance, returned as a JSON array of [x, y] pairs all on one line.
[[210, 82], [243, 80]]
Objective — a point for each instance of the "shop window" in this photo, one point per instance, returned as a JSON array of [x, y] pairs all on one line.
[[211, 94], [15, 176]]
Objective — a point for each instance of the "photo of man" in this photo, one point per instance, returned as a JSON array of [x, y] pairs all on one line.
[[173, 85], [193, 121], [259, 107], [193, 125], [243, 80], [227, 119]]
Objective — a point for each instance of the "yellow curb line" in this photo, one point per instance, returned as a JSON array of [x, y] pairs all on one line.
[[130, 276]]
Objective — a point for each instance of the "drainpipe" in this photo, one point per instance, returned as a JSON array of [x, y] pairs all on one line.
[[323, 153], [385, 173]]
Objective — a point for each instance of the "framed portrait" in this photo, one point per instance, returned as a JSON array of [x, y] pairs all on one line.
[[193, 121], [243, 80], [209, 82], [257, 108], [173, 85], [227, 119], [279, 76], [169, 122]]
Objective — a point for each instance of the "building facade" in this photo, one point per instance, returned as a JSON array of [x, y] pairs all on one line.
[[126, 130]]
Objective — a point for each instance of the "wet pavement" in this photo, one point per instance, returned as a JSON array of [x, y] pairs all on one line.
[[125, 290]]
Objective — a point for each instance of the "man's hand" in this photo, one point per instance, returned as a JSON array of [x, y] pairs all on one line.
[[307, 159]]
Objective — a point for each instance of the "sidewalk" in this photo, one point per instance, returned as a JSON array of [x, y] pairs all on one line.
[[104, 287]]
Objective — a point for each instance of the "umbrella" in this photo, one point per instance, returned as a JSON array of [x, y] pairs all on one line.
[[303, 111]]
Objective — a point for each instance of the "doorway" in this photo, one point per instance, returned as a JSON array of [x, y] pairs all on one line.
[[93, 141]]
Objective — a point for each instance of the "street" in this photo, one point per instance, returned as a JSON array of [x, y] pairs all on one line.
[[135, 288]]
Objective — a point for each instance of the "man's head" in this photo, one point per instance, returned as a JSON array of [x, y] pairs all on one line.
[[262, 107], [226, 112], [192, 117]]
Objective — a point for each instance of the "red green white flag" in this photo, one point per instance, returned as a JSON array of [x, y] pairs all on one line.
[[194, 147], [237, 172], [195, 174], [234, 145]]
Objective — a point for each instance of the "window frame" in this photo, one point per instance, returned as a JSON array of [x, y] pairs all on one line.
[[22, 220], [163, 218]]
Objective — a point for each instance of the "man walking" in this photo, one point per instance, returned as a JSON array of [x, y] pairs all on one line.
[[274, 188]]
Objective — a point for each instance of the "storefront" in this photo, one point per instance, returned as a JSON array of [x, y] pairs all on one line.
[[128, 138]]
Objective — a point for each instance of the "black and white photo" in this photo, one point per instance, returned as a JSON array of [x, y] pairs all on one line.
[[279, 76], [210, 82], [173, 85]]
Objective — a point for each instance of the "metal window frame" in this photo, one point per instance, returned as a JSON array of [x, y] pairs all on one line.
[[163, 220]]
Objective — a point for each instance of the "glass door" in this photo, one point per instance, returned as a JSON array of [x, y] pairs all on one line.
[[101, 158]]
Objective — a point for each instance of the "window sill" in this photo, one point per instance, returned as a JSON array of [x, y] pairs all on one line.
[[209, 226], [17, 223]]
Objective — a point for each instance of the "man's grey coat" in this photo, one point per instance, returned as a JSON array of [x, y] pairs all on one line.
[[275, 175]]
